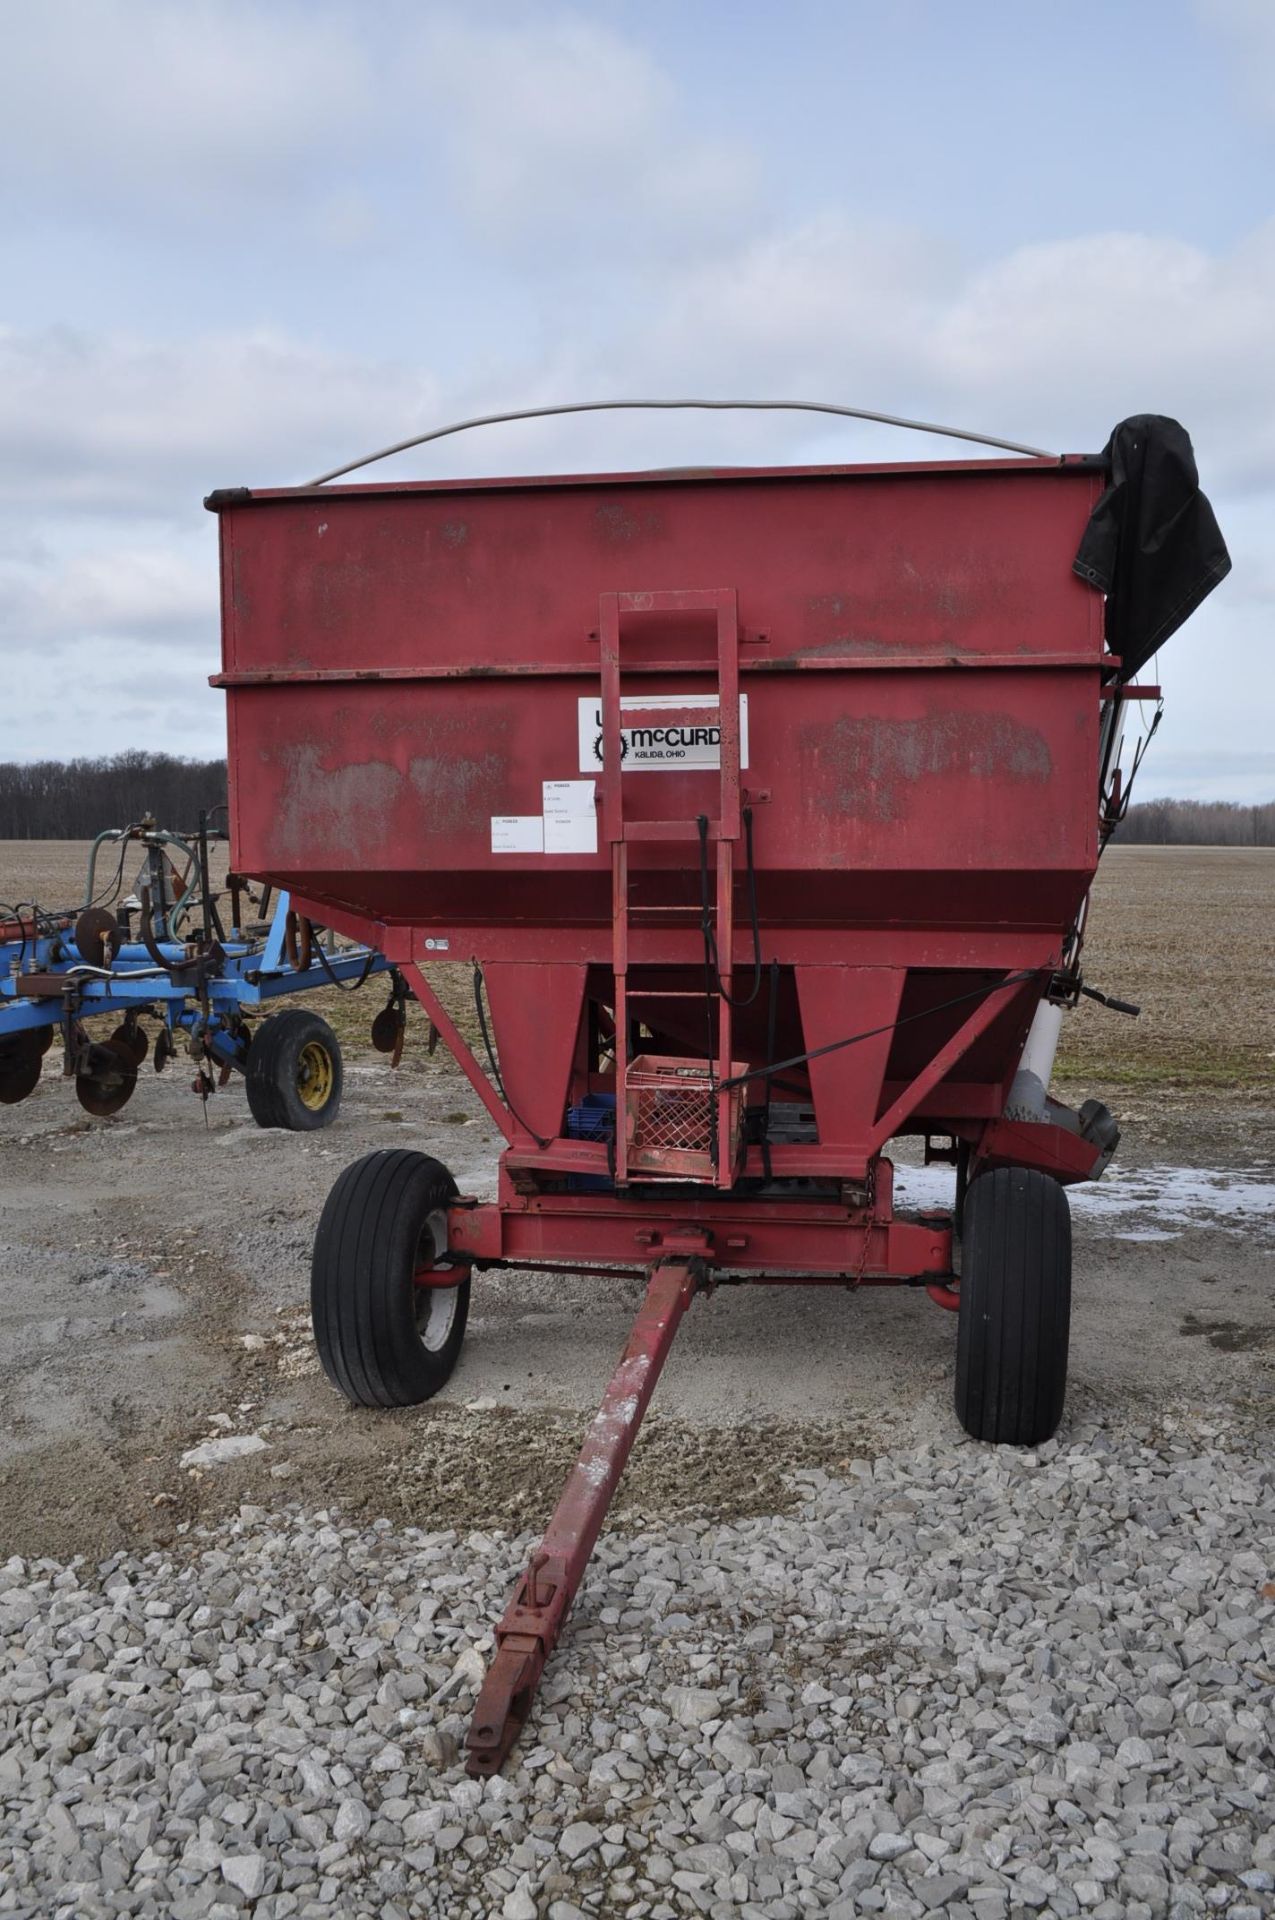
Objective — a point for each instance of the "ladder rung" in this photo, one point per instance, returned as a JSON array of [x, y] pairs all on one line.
[[665, 993], [707, 667], [668, 829]]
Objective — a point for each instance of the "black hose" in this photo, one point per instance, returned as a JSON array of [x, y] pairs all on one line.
[[344, 986], [481, 1011], [712, 961], [772, 1015]]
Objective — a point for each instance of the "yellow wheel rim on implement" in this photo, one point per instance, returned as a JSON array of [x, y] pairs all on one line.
[[314, 1075]]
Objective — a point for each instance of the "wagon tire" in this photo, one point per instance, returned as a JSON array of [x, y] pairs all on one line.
[[1015, 1307], [384, 1340], [293, 1075]]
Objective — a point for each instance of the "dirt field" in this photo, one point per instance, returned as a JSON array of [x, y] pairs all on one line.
[[153, 1274], [1186, 932]]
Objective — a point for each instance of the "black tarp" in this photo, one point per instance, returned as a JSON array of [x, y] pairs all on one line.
[[1152, 544]]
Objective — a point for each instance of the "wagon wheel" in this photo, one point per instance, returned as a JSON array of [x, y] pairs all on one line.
[[20, 1061], [97, 935], [108, 1084], [1015, 1307], [389, 1314]]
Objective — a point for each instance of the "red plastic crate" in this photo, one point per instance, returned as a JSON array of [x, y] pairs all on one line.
[[671, 1118]]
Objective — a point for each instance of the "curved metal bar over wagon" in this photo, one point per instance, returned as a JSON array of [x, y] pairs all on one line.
[[764, 806]]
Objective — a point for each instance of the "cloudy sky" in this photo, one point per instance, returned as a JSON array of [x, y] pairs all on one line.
[[242, 241]]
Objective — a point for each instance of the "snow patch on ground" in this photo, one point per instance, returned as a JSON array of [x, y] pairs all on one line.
[[1236, 1199]]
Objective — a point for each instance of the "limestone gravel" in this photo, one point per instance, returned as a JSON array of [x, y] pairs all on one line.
[[953, 1680]]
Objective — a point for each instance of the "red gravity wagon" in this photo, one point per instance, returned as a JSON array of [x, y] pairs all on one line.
[[764, 806]]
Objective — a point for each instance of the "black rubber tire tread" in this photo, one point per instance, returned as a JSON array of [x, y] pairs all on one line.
[[270, 1077], [1015, 1313], [362, 1296]]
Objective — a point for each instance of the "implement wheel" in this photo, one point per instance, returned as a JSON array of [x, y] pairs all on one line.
[[385, 1336], [293, 1076], [1015, 1312]]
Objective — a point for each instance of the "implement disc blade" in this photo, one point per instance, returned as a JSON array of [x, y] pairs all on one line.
[[386, 1028], [20, 1061], [134, 1042], [97, 935], [109, 1084]]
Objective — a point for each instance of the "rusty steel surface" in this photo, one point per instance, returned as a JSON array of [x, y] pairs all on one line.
[[41, 986], [946, 593], [97, 936], [532, 1622]]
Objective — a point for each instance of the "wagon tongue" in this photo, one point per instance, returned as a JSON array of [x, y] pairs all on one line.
[[533, 1620]]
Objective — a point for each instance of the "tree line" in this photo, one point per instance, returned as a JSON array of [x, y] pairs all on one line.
[[1198, 823], [75, 799]]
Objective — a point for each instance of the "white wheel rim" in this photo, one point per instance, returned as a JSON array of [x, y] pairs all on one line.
[[435, 1306]]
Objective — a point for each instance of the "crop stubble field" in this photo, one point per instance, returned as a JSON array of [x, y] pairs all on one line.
[[1189, 934]]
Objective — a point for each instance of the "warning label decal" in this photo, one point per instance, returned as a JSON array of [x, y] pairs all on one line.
[[652, 748]]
